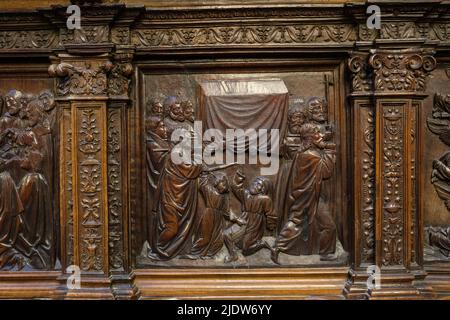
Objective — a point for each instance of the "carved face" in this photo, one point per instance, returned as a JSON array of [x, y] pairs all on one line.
[[13, 103], [296, 119], [317, 138], [188, 111], [157, 108], [222, 185], [32, 114], [256, 187], [47, 100], [316, 111], [161, 130], [176, 112]]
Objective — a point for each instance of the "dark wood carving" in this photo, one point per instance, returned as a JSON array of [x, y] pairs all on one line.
[[438, 123], [29, 222], [293, 216], [87, 178]]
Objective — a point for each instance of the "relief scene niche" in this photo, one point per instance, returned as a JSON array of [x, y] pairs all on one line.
[[229, 207]]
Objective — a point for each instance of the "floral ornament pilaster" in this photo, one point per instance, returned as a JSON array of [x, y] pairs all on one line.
[[400, 79]]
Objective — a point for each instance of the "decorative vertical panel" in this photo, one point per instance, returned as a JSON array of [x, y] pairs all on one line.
[[391, 189], [92, 219], [115, 201]]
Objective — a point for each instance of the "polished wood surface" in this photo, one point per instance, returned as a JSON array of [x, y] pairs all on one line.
[[88, 179]]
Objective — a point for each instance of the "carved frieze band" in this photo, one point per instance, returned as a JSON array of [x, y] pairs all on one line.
[[177, 35]]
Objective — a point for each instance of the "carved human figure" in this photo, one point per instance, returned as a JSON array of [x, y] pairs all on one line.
[[155, 108], [257, 208], [37, 230], [208, 240], [175, 118], [296, 118], [10, 119], [308, 230], [157, 149], [439, 237], [11, 210], [188, 110], [176, 205], [26, 156], [157, 153]]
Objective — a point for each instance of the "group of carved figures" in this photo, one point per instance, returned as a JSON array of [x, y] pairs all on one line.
[[295, 211], [28, 226]]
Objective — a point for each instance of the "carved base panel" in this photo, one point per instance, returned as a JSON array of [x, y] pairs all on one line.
[[306, 283]]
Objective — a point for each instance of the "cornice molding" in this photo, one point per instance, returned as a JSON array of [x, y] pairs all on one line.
[[284, 26]]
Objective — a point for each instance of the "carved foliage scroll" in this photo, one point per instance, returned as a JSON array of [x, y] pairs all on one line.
[[115, 200], [282, 34], [90, 198], [392, 168]]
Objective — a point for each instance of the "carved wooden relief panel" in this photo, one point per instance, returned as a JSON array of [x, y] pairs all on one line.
[[233, 215]]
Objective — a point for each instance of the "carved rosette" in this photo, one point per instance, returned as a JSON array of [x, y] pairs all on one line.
[[401, 70]]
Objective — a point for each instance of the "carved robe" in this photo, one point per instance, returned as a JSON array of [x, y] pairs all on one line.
[[254, 211], [38, 228], [176, 208], [308, 230], [157, 151], [10, 219], [209, 238], [440, 238], [156, 160]]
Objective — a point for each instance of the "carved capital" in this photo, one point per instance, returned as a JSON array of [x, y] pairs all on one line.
[[401, 70], [81, 78], [119, 77], [361, 72]]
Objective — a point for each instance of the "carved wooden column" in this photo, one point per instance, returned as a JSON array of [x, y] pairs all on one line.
[[388, 90], [82, 91], [119, 87], [399, 83], [93, 93], [363, 155]]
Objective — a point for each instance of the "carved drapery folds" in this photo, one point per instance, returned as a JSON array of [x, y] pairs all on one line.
[[28, 214], [438, 237]]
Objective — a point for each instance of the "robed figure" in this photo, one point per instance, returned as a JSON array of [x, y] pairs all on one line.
[[208, 239], [308, 230]]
